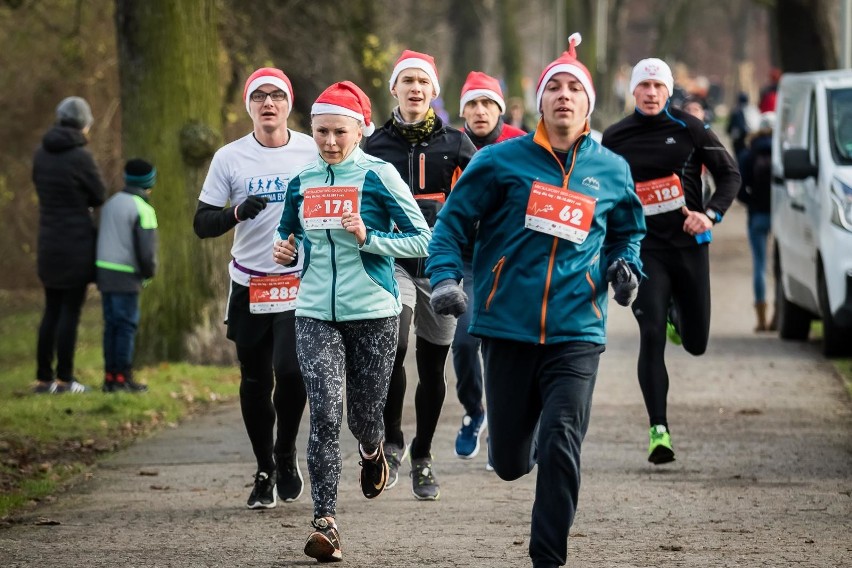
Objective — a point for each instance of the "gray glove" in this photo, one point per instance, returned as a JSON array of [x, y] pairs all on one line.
[[448, 298], [624, 282]]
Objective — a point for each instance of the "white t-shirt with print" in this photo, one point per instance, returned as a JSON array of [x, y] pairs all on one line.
[[245, 167]]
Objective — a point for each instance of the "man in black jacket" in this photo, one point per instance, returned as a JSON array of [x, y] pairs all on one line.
[[69, 186], [429, 156], [666, 149]]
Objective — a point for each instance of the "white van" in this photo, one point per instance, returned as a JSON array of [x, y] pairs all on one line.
[[812, 206]]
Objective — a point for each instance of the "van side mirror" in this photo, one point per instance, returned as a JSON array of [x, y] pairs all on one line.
[[797, 164]]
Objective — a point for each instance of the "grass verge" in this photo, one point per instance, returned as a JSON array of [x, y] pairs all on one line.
[[48, 440]]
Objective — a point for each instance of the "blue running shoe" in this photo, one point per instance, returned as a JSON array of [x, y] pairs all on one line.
[[467, 440]]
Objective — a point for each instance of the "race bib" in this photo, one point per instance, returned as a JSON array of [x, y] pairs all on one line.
[[323, 207], [273, 294], [661, 195], [560, 212]]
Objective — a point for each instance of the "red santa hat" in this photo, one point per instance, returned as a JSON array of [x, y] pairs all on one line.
[[478, 84], [346, 99], [268, 76], [416, 60], [568, 63]]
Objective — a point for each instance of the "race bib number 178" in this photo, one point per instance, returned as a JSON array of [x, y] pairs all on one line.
[[323, 207]]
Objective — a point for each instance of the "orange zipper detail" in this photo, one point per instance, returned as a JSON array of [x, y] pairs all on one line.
[[498, 268], [422, 170], [594, 293], [547, 289]]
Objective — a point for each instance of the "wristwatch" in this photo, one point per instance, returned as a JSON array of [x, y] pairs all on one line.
[[713, 215]]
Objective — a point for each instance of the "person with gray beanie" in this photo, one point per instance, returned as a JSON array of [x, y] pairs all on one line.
[[69, 186]]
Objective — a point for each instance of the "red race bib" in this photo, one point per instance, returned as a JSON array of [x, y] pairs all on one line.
[[661, 195], [323, 207], [560, 212], [273, 294]]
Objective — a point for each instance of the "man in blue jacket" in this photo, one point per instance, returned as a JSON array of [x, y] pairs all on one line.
[[558, 219]]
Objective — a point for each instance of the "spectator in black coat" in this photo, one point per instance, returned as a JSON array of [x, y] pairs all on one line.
[[69, 186]]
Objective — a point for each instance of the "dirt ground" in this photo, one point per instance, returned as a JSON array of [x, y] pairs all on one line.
[[762, 431]]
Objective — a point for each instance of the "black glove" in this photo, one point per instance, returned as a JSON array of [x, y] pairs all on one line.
[[624, 282], [249, 208], [448, 298]]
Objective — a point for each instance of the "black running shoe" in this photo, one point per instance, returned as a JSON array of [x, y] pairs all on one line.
[[324, 543], [374, 473], [290, 482], [125, 382], [263, 494]]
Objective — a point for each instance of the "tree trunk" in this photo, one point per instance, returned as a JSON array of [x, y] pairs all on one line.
[[465, 19], [511, 48], [171, 101], [808, 40]]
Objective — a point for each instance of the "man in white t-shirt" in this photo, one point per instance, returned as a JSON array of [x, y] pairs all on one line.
[[244, 190]]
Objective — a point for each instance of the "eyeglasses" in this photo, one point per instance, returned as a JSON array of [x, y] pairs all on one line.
[[260, 96]]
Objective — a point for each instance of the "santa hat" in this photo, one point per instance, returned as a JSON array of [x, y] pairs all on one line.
[[346, 99], [268, 76], [652, 69], [416, 60], [478, 84], [568, 63]]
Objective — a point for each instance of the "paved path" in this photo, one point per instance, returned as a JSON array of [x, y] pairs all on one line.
[[762, 430]]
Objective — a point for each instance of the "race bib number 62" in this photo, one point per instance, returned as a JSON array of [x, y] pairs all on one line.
[[560, 212]]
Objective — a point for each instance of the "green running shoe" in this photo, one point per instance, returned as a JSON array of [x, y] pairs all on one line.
[[660, 449], [672, 333]]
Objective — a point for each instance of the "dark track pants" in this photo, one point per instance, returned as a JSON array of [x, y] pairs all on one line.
[[682, 276], [539, 404]]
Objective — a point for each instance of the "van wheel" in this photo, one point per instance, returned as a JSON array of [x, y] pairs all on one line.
[[794, 323], [836, 340]]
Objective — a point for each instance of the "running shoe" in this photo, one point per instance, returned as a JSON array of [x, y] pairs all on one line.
[[263, 494], [374, 473], [660, 448], [124, 383], [42, 387], [467, 440], [324, 543], [423, 483], [395, 455], [673, 325], [289, 483], [72, 386]]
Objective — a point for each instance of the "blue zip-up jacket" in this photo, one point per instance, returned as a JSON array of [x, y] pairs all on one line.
[[530, 286], [340, 280]]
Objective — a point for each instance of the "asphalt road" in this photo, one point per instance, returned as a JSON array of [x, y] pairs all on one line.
[[763, 477]]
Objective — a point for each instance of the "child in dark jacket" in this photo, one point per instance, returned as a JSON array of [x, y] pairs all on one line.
[[126, 259]]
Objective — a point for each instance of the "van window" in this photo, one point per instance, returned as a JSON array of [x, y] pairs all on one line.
[[840, 124], [795, 128]]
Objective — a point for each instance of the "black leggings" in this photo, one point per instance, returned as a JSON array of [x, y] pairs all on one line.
[[58, 332], [429, 396], [271, 384], [680, 276]]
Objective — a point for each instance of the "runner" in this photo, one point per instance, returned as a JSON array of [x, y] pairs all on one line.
[[666, 149], [558, 218], [344, 208], [244, 191], [482, 106], [429, 156]]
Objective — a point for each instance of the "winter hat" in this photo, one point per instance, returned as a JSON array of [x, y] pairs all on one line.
[[568, 63], [268, 76], [74, 111], [767, 120], [478, 84], [346, 99], [416, 60], [652, 69], [140, 173]]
